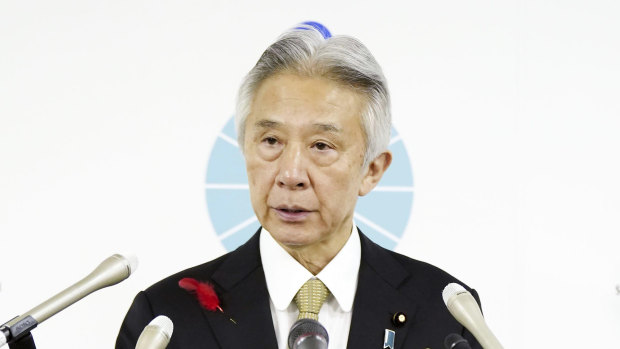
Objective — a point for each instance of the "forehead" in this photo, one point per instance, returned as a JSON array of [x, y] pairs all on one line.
[[288, 99]]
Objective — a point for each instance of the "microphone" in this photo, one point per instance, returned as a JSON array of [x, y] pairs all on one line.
[[307, 334], [466, 311], [454, 341], [111, 271], [157, 334]]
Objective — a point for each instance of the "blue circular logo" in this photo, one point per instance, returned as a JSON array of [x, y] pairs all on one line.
[[382, 214]]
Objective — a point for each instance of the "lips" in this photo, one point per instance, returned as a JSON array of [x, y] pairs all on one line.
[[292, 213]]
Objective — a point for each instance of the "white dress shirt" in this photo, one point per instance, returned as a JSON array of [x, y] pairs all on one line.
[[285, 276]]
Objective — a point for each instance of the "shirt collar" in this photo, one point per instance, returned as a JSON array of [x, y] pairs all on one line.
[[284, 275]]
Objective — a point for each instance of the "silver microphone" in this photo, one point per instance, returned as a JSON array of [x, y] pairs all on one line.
[[466, 311], [111, 271], [156, 335]]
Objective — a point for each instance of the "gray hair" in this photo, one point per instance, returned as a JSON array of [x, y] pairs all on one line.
[[342, 59]]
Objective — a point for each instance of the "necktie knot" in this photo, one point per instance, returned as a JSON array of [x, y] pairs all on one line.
[[310, 298]]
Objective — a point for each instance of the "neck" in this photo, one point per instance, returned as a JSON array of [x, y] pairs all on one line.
[[315, 257]]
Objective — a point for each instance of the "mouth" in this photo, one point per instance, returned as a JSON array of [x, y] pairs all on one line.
[[292, 213]]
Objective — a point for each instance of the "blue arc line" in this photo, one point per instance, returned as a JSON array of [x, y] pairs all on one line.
[[237, 227], [393, 188], [227, 186], [376, 227], [229, 139], [394, 140]]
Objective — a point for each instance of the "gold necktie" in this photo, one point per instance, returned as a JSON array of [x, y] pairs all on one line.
[[310, 298]]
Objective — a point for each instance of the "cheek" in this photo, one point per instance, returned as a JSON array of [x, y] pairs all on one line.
[[258, 194], [337, 189], [254, 168], [260, 177]]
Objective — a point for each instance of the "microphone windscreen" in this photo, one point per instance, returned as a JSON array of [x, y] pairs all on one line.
[[132, 261], [164, 323], [156, 335], [308, 334], [450, 290], [455, 341]]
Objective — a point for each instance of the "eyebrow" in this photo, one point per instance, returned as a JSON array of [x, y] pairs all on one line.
[[267, 124], [327, 128], [276, 124]]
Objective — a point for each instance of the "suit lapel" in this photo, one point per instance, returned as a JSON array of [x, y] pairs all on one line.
[[377, 299], [245, 299], [240, 282]]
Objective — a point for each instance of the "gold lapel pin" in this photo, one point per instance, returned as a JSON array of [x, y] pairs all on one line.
[[399, 319]]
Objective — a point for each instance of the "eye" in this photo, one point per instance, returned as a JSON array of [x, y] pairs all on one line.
[[322, 146], [270, 140]]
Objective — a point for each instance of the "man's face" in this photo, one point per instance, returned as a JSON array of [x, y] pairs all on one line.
[[304, 149]]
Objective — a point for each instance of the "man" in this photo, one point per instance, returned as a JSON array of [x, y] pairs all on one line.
[[313, 122]]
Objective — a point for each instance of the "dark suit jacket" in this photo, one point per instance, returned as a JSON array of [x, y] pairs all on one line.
[[388, 283]]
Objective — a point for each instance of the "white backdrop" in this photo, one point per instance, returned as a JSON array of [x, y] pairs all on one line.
[[509, 111]]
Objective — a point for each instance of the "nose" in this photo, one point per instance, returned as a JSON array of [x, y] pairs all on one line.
[[292, 174]]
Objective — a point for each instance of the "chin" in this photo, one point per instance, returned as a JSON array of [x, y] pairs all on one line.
[[292, 240]]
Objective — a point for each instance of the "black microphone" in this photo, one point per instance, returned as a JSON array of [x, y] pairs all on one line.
[[454, 341], [111, 271], [307, 334]]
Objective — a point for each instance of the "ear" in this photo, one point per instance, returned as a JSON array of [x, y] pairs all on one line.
[[375, 171]]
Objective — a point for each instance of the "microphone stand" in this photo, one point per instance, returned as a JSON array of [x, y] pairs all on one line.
[[26, 342], [17, 333]]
